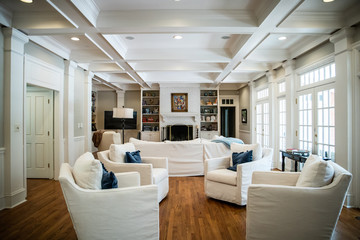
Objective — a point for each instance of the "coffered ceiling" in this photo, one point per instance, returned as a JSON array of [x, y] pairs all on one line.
[[131, 44]]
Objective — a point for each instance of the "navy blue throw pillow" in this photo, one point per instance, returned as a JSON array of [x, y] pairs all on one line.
[[239, 158], [108, 179], [133, 157]]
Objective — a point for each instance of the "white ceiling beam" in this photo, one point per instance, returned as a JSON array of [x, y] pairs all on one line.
[[88, 8], [175, 19], [302, 48], [280, 12], [148, 66], [54, 46], [176, 54]]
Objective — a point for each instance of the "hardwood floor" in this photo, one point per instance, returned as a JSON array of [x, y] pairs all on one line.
[[186, 213]]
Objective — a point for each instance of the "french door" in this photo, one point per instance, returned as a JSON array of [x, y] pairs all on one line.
[[316, 125], [263, 124]]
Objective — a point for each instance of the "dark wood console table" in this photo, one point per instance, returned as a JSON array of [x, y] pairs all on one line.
[[297, 157]]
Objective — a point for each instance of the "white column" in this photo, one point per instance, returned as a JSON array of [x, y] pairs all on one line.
[[14, 136], [87, 110], [252, 115], [290, 78], [69, 79], [120, 99], [356, 125], [343, 102], [271, 76]]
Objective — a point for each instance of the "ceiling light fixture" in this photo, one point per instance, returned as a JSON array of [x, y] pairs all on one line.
[[225, 37], [27, 1], [327, 1], [177, 0], [282, 38], [75, 38], [177, 37], [129, 38]]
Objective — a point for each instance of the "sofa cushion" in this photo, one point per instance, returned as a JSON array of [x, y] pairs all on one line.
[[257, 149], [315, 173], [117, 152], [159, 174], [222, 176], [88, 171], [133, 157], [239, 158], [108, 179]]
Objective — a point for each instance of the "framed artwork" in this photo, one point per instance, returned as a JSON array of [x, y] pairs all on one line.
[[179, 102], [243, 115]]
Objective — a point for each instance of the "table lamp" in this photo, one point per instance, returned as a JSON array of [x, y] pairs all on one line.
[[123, 113]]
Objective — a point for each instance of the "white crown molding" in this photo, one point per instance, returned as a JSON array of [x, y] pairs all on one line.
[[303, 47], [52, 45], [89, 9], [5, 16]]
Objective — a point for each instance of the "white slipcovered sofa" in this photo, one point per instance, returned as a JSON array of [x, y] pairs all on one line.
[[108, 138], [128, 212], [278, 208], [153, 170], [185, 158], [230, 186]]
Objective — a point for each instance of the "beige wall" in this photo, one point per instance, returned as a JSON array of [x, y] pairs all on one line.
[[244, 103], [132, 100], [229, 92], [106, 101]]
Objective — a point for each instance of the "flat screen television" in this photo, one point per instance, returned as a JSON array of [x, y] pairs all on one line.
[[116, 123]]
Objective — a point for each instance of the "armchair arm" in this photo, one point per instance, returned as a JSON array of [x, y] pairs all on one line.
[[145, 170], [128, 179], [216, 163], [275, 178], [157, 162], [294, 211], [132, 213]]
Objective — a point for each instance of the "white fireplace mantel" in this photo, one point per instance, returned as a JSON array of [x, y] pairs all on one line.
[[168, 116]]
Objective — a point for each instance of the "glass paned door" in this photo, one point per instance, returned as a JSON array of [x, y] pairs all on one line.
[[282, 124], [326, 123], [317, 121], [263, 124]]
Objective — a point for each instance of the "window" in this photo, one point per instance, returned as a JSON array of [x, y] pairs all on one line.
[[326, 123], [282, 124], [282, 87], [263, 124], [263, 93], [305, 122], [317, 75]]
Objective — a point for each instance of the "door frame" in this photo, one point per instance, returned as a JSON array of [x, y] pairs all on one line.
[[237, 111]]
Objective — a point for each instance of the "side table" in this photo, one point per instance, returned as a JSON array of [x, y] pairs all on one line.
[[297, 157]]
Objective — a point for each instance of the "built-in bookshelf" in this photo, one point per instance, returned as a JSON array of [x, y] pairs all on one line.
[[209, 113], [150, 115]]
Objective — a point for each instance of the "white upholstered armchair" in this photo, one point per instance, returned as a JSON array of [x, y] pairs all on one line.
[[129, 212], [153, 170], [226, 185], [278, 209]]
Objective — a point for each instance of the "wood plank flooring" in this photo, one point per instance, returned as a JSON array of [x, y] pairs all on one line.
[[186, 213]]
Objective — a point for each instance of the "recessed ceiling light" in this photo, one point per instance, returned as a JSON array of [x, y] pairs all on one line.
[[327, 1], [27, 1], [177, 37], [225, 37], [282, 38], [129, 38], [75, 38], [177, 0]]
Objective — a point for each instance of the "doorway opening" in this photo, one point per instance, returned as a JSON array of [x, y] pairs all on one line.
[[39, 122], [228, 121]]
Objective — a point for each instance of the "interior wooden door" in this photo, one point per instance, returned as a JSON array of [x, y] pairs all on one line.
[[39, 134]]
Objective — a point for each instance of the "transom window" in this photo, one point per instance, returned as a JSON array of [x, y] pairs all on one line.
[[318, 74], [282, 87], [263, 93]]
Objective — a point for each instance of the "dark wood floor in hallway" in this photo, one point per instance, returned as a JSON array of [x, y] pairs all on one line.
[[186, 213]]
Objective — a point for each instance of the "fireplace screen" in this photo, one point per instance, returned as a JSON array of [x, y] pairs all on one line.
[[179, 132]]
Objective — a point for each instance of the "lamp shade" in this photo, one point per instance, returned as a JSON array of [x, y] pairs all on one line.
[[123, 112]]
